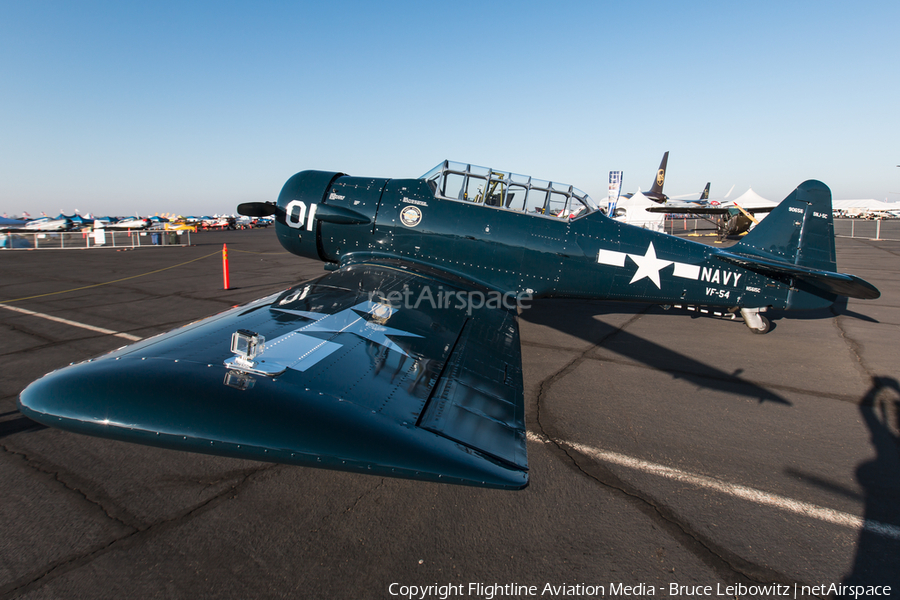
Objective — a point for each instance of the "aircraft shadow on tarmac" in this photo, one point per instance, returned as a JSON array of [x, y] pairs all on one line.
[[839, 308], [875, 562], [17, 424], [577, 319]]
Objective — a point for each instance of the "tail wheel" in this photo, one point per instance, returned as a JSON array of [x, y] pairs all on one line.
[[754, 319], [764, 328]]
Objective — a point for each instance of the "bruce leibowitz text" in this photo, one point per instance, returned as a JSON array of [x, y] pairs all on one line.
[[491, 591]]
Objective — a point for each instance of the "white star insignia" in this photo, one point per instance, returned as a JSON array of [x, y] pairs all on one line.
[[648, 265]]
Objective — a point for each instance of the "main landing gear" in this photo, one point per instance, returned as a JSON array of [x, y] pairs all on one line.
[[755, 320]]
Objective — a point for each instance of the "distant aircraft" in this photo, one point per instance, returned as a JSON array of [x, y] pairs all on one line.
[[641, 211], [48, 224], [76, 220], [135, 223], [656, 190], [704, 195], [218, 222], [7, 223], [635, 208], [865, 208], [729, 217], [8, 237], [404, 360]]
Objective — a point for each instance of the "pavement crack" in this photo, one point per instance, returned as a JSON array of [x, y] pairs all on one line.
[[124, 519], [853, 346], [727, 564], [26, 331], [548, 382], [65, 565], [364, 494]]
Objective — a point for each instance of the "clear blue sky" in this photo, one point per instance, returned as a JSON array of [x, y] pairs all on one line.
[[193, 107]]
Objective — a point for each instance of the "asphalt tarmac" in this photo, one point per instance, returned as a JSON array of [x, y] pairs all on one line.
[[666, 449]]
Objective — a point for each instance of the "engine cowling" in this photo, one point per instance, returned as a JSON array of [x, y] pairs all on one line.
[[295, 213]]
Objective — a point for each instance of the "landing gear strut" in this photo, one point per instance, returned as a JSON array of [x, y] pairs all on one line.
[[755, 321]]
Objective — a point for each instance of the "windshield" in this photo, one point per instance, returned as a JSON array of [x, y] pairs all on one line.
[[510, 191]]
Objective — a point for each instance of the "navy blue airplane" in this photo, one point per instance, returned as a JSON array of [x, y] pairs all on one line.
[[404, 360]]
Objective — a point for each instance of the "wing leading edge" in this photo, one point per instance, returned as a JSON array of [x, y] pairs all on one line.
[[373, 368]]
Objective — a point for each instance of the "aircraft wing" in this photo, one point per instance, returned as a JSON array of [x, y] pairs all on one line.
[[693, 209], [687, 209], [373, 368], [841, 284], [7, 224]]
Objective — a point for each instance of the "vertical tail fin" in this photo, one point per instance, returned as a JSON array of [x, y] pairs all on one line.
[[800, 230], [705, 194], [657, 187]]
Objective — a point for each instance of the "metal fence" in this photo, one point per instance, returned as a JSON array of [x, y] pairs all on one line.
[[101, 238], [681, 226], [875, 229]]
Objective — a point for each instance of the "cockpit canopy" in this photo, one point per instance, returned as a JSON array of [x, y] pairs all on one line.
[[509, 191]]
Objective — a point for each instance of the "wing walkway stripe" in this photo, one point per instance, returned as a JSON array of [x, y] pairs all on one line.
[[820, 513], [32, 313]]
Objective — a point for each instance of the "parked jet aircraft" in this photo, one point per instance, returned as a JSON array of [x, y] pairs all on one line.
[[704, 195], [405, 361], [656, 189]]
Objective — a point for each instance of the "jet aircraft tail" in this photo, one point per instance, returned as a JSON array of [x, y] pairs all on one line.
[[657, 188], [796, 243], [704, 195]]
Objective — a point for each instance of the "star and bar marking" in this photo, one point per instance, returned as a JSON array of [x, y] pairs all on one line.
[[648, 265]]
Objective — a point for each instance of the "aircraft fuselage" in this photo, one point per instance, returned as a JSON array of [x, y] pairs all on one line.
[[346, 220]]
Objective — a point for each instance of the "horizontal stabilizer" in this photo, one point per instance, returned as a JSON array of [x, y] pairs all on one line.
[[796, 242], [841, 284]]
